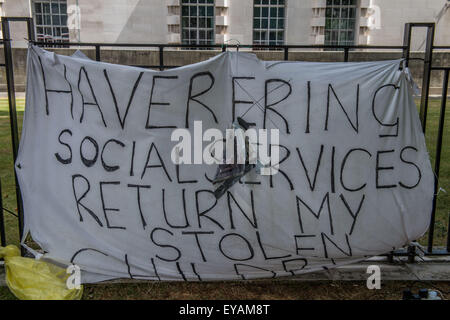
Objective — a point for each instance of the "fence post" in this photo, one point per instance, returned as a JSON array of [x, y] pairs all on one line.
[[405, 54], [2, 221], [448, 234], [437, 161], [30, 28], [346, 49], [12, 112], [407, 43], [411, 254], [97, 53], [426, 75], [161, 58]]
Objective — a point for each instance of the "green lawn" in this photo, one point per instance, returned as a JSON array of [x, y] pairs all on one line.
[[6, 169], [259, 290], [443, 199], [443, 205]]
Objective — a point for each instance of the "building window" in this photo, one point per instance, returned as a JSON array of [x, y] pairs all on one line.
[[268, 22], [197, 22], [50, 17], [340, 22]]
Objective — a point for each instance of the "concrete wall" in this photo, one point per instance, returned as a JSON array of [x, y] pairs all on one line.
[[132, 21], [183, 57], [17, 8], [395, 13], [299, 14], [240, 27]]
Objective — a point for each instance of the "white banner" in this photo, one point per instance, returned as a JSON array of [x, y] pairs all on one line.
[[100, 188]]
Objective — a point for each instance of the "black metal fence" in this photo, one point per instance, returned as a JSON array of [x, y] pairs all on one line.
[[405, 48]]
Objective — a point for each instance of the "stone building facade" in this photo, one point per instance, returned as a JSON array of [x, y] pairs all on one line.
[[367, 22]]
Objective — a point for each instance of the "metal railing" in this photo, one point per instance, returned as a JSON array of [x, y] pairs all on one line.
[[405, 48]]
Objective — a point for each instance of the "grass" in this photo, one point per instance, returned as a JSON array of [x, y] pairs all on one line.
[[258, 290], [6, 169], [237, 290], [443, 199]]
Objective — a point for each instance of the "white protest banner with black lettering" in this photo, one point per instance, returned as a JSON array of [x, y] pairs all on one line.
[[101, 189]]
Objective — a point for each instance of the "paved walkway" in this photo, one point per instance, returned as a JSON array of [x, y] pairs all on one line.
[[432, 269]]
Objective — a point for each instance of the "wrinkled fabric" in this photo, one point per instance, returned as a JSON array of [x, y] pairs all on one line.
[[100, 189]]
